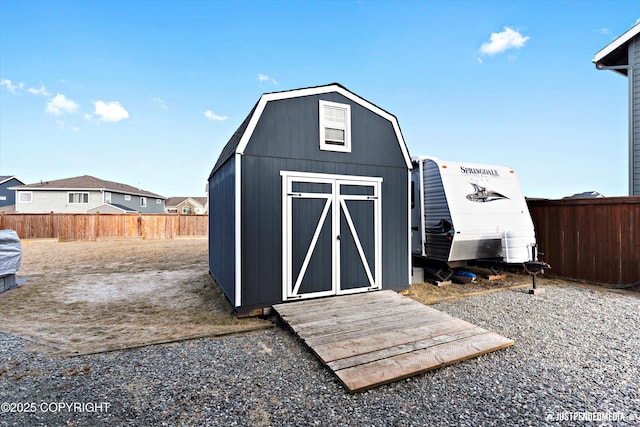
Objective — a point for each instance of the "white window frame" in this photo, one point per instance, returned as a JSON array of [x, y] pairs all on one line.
[[325, 123], [107, 197], [143, 202], [127, 197], [21, 193], [158, 202], [73, 202]]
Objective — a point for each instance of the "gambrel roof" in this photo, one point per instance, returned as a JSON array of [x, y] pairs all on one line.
[[239, 140], [87, 182]]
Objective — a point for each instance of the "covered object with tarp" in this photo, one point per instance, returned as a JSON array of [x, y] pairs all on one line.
[[10, 255]]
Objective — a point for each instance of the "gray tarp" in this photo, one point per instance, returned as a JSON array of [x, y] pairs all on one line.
[[10, 252]]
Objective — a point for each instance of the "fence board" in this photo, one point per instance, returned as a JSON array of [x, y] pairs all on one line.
[[596, 240], [94, 226]]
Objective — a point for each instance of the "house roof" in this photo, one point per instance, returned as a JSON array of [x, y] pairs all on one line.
[[87, 182], [239, 140], [106, 207], [617, 52], [5, 178], [175, 201], [585, 195]]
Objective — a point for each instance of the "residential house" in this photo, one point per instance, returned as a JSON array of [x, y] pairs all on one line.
[[186, 205], [623, 57], [8, 197], [85, 194]]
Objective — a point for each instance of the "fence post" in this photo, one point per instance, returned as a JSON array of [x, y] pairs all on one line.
[[51, 221], [139, 225], [97, 233]]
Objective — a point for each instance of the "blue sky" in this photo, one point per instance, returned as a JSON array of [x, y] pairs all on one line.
[[147, 93]]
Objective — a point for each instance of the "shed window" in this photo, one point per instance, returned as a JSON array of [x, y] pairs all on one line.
[[78, 197], [335, 126]]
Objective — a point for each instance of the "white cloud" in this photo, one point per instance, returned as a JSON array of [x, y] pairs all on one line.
[[59, 104], [110, 111], [40, 91], [212, 116], [10, 86], [63, 126], [505, 40], [264, 78], [161, 103]]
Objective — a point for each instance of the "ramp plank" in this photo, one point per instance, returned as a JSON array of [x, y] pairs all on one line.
[[379, 337]]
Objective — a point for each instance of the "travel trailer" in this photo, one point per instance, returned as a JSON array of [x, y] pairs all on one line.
[[468, 214]]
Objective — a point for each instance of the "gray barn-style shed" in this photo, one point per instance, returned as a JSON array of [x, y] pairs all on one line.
[[309, 198]]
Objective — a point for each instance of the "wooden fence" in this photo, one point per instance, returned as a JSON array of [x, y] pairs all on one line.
[[595, 240], [95, 226]]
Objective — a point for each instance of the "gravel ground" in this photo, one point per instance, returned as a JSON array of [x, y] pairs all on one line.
[[575, 357]]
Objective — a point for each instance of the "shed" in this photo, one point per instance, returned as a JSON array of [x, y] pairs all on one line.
[[310, 197]]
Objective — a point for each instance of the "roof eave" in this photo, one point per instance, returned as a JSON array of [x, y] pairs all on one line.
[[616, 44], [133, 193]]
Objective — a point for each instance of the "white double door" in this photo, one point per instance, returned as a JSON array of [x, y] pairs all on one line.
[[331, 234]]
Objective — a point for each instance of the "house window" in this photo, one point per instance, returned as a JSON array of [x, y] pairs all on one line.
[[25, 196], [335, 126], [107, 197], [187, 210], [143, 202], [78, 197], [158, 202], [127, 197]]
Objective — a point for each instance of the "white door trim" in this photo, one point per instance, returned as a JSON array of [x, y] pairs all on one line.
[[291, 285]]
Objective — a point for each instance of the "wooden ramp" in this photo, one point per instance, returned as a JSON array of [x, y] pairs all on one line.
[[380, 337]]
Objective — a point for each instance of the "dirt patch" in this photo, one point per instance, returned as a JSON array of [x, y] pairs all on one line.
[[83, 297], [428, 293], [98, 296]]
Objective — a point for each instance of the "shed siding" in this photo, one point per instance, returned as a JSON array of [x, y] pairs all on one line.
[[262, 223], [289, 128], [634, 155], [222, 241]]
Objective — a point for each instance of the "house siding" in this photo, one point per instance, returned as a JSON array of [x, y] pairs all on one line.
[[45, 201], [8, 197], [634, 154], [134, 203], [222, 240]]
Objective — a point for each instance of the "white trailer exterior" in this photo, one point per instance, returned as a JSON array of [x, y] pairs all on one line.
[[464, 212]]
